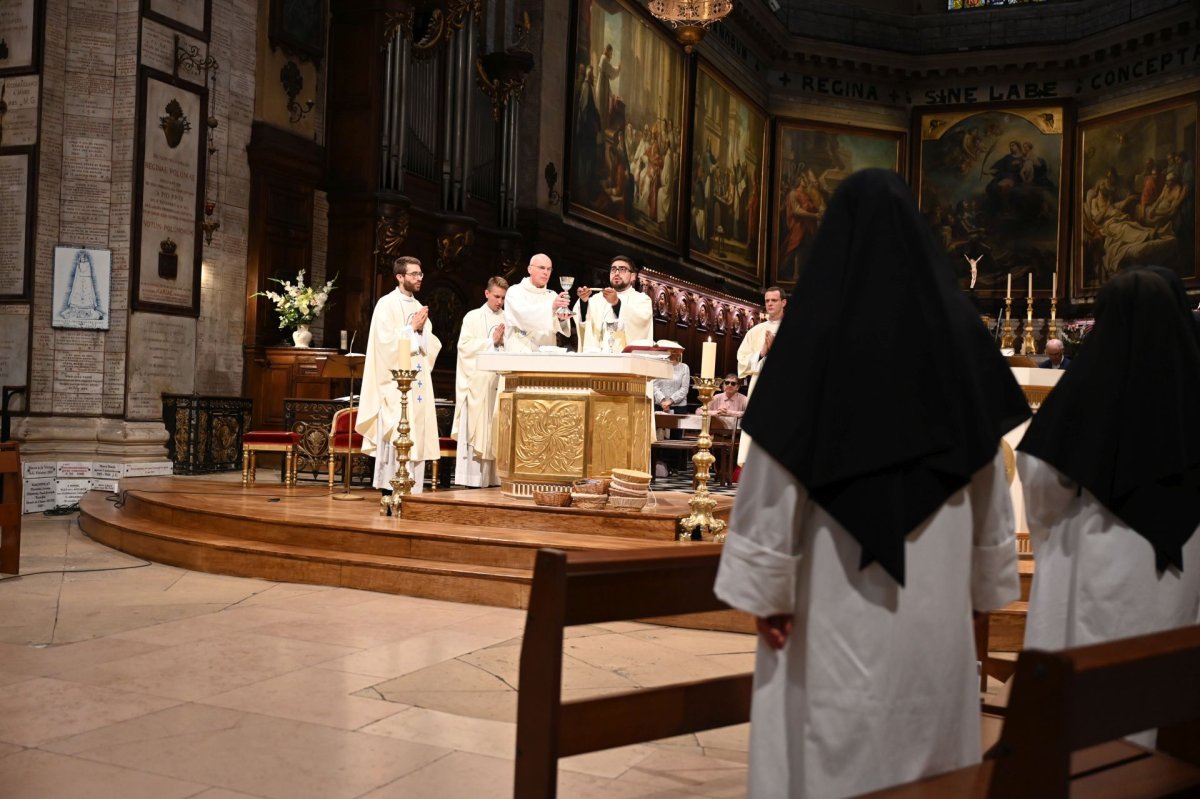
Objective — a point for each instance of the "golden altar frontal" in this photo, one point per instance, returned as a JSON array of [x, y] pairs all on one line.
[[564, 417]]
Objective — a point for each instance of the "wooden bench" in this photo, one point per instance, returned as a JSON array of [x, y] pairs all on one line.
[[596, 587], [10, 508], [724, 431], [1066, 712]]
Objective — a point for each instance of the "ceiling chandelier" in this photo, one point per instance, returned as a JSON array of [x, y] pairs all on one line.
[[690, 18]]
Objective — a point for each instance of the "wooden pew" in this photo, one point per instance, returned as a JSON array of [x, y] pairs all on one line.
[[1066, 712], [10, 508], [724, 431], [595, 587]]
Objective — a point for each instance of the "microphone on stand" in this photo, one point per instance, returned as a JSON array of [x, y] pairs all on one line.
[[351, 350]]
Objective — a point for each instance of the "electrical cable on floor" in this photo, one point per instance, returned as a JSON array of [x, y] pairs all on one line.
[[141, 565]]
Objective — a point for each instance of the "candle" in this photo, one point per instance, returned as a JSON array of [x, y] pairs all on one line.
[[1031, 285], [345, 341], [708, 359], [1054, 285], [405, 353], [1008, 292]]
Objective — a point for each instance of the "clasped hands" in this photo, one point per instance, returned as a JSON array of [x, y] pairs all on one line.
[[417, 322]]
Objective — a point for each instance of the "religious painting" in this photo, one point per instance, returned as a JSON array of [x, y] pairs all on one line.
[[1136, 200], [626, 122], [17, 208], [811, 161], [20, 37], [729, 145], [193, 17], [991, 183], [82, 288], [168, 195]]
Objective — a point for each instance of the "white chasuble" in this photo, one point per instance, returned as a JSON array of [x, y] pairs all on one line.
[[750, 361], [475, 400], [636, 317], [529, 319]]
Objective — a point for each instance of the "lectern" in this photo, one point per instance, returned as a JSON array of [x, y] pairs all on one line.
[[350, 365]]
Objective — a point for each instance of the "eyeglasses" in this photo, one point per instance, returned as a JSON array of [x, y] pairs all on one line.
[[624, 270], [415, 274], [729, 383]]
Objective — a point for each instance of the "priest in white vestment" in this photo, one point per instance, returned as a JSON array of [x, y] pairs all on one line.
[[630, 309], [475, 390], [400, 322], [752, 352], [1110, 468], [532, 310], [868, 525]]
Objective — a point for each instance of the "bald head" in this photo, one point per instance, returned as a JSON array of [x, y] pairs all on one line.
[[540, 267], [1054, 351]]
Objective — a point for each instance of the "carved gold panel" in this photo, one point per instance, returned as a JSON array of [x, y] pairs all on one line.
[[548, 439], [504, 435]]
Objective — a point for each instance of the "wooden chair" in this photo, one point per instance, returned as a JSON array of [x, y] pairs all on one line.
[[257, 441], [447, 448], [1066, 712], [343, 442], [593, 587], [10, 508], [724, 431]]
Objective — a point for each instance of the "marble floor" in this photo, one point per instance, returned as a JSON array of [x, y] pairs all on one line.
[[120, 678]]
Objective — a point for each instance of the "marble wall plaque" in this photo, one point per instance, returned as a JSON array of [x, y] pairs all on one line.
[[18, 30], [14, 349], [160, 363], [82, 288], [15, 235], [167, 245], [78, 373], [39, 494], [21, 120], [190, 16]]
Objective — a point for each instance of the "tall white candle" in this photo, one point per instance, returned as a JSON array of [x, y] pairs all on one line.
[[1054, 285], [1031, 285], [1008, 291], [405, 353], [345, 341], [708, 359]]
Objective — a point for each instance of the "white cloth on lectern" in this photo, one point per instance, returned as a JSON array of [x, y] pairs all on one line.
[[750, 361], [868, 662]]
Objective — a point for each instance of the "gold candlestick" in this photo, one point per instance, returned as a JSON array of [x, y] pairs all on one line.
[[1052, 331], [402, 482], [702, 504], [1029, 347], [1006, 338]]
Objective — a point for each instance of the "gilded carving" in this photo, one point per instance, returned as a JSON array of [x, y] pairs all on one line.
[[452, 246], [549, 436], [610, 436], [504, 435], [390, 233], [226, 440]]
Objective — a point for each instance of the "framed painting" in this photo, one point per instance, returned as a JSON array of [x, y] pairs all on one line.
[[193, 17], [1136, 197], [20, 36], [168, 195], [990, 181], [811, 161], [298, 27], [625, 123], [18, 206], [729, 167]]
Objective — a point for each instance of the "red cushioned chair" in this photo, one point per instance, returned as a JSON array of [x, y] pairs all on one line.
[[269, 441], [342, 438], [447, 448]]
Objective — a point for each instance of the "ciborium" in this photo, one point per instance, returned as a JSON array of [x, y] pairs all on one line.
[[701, 519], [402, 482]]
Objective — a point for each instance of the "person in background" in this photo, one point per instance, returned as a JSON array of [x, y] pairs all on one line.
[[475, 390], [1054, 355], [730, 402], [873, 514]]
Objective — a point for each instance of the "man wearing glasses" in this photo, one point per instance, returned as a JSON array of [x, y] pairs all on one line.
[[730, 402], [630, 309], [531, 310], [400, 322]]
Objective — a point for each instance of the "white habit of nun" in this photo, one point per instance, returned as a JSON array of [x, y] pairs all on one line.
[[475, 401], [1096, 578], [877, 684], [636, 318], [750, 362], [379, 405], [529, 320]]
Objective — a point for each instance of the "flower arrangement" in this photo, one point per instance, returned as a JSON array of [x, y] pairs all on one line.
[[1074, 332], [298, 304]]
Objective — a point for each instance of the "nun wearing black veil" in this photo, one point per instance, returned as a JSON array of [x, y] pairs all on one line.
[[1111, 474], [873, 513]]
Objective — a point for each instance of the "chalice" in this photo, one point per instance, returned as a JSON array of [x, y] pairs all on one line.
[[567, 282]]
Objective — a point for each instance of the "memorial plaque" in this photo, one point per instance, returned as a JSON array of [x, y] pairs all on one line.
[[21, 119], [82, 288], [163, 343], [166, 242], [190, 16], [16, 229], [69, 492], [39, 494], [14, 350], [19, 25]]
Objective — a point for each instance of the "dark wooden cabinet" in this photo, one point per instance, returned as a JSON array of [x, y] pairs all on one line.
[[275, 374]]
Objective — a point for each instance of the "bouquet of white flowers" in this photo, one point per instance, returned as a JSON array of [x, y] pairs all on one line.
[[298, 304]]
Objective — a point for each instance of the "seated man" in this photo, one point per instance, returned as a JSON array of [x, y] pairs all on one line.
[[670, 393], [730, 402], [1054, 355]]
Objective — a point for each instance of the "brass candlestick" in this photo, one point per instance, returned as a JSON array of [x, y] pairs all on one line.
[[1006, 338], [1029, 347], [702, 504], [1052, 330], [402, 483]]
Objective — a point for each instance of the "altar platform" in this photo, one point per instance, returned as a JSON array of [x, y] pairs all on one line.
[[467, 545]]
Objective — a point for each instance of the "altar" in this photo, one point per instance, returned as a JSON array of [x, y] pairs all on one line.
[[563, 417]]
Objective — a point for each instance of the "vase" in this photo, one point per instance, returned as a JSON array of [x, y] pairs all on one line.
[[302, 336]]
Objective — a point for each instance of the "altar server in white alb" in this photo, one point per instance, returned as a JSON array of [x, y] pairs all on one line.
[[533, 312], [630, 309], [400, 323], [1110, 468], [752, 352], [475, 390], [873, 514]]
